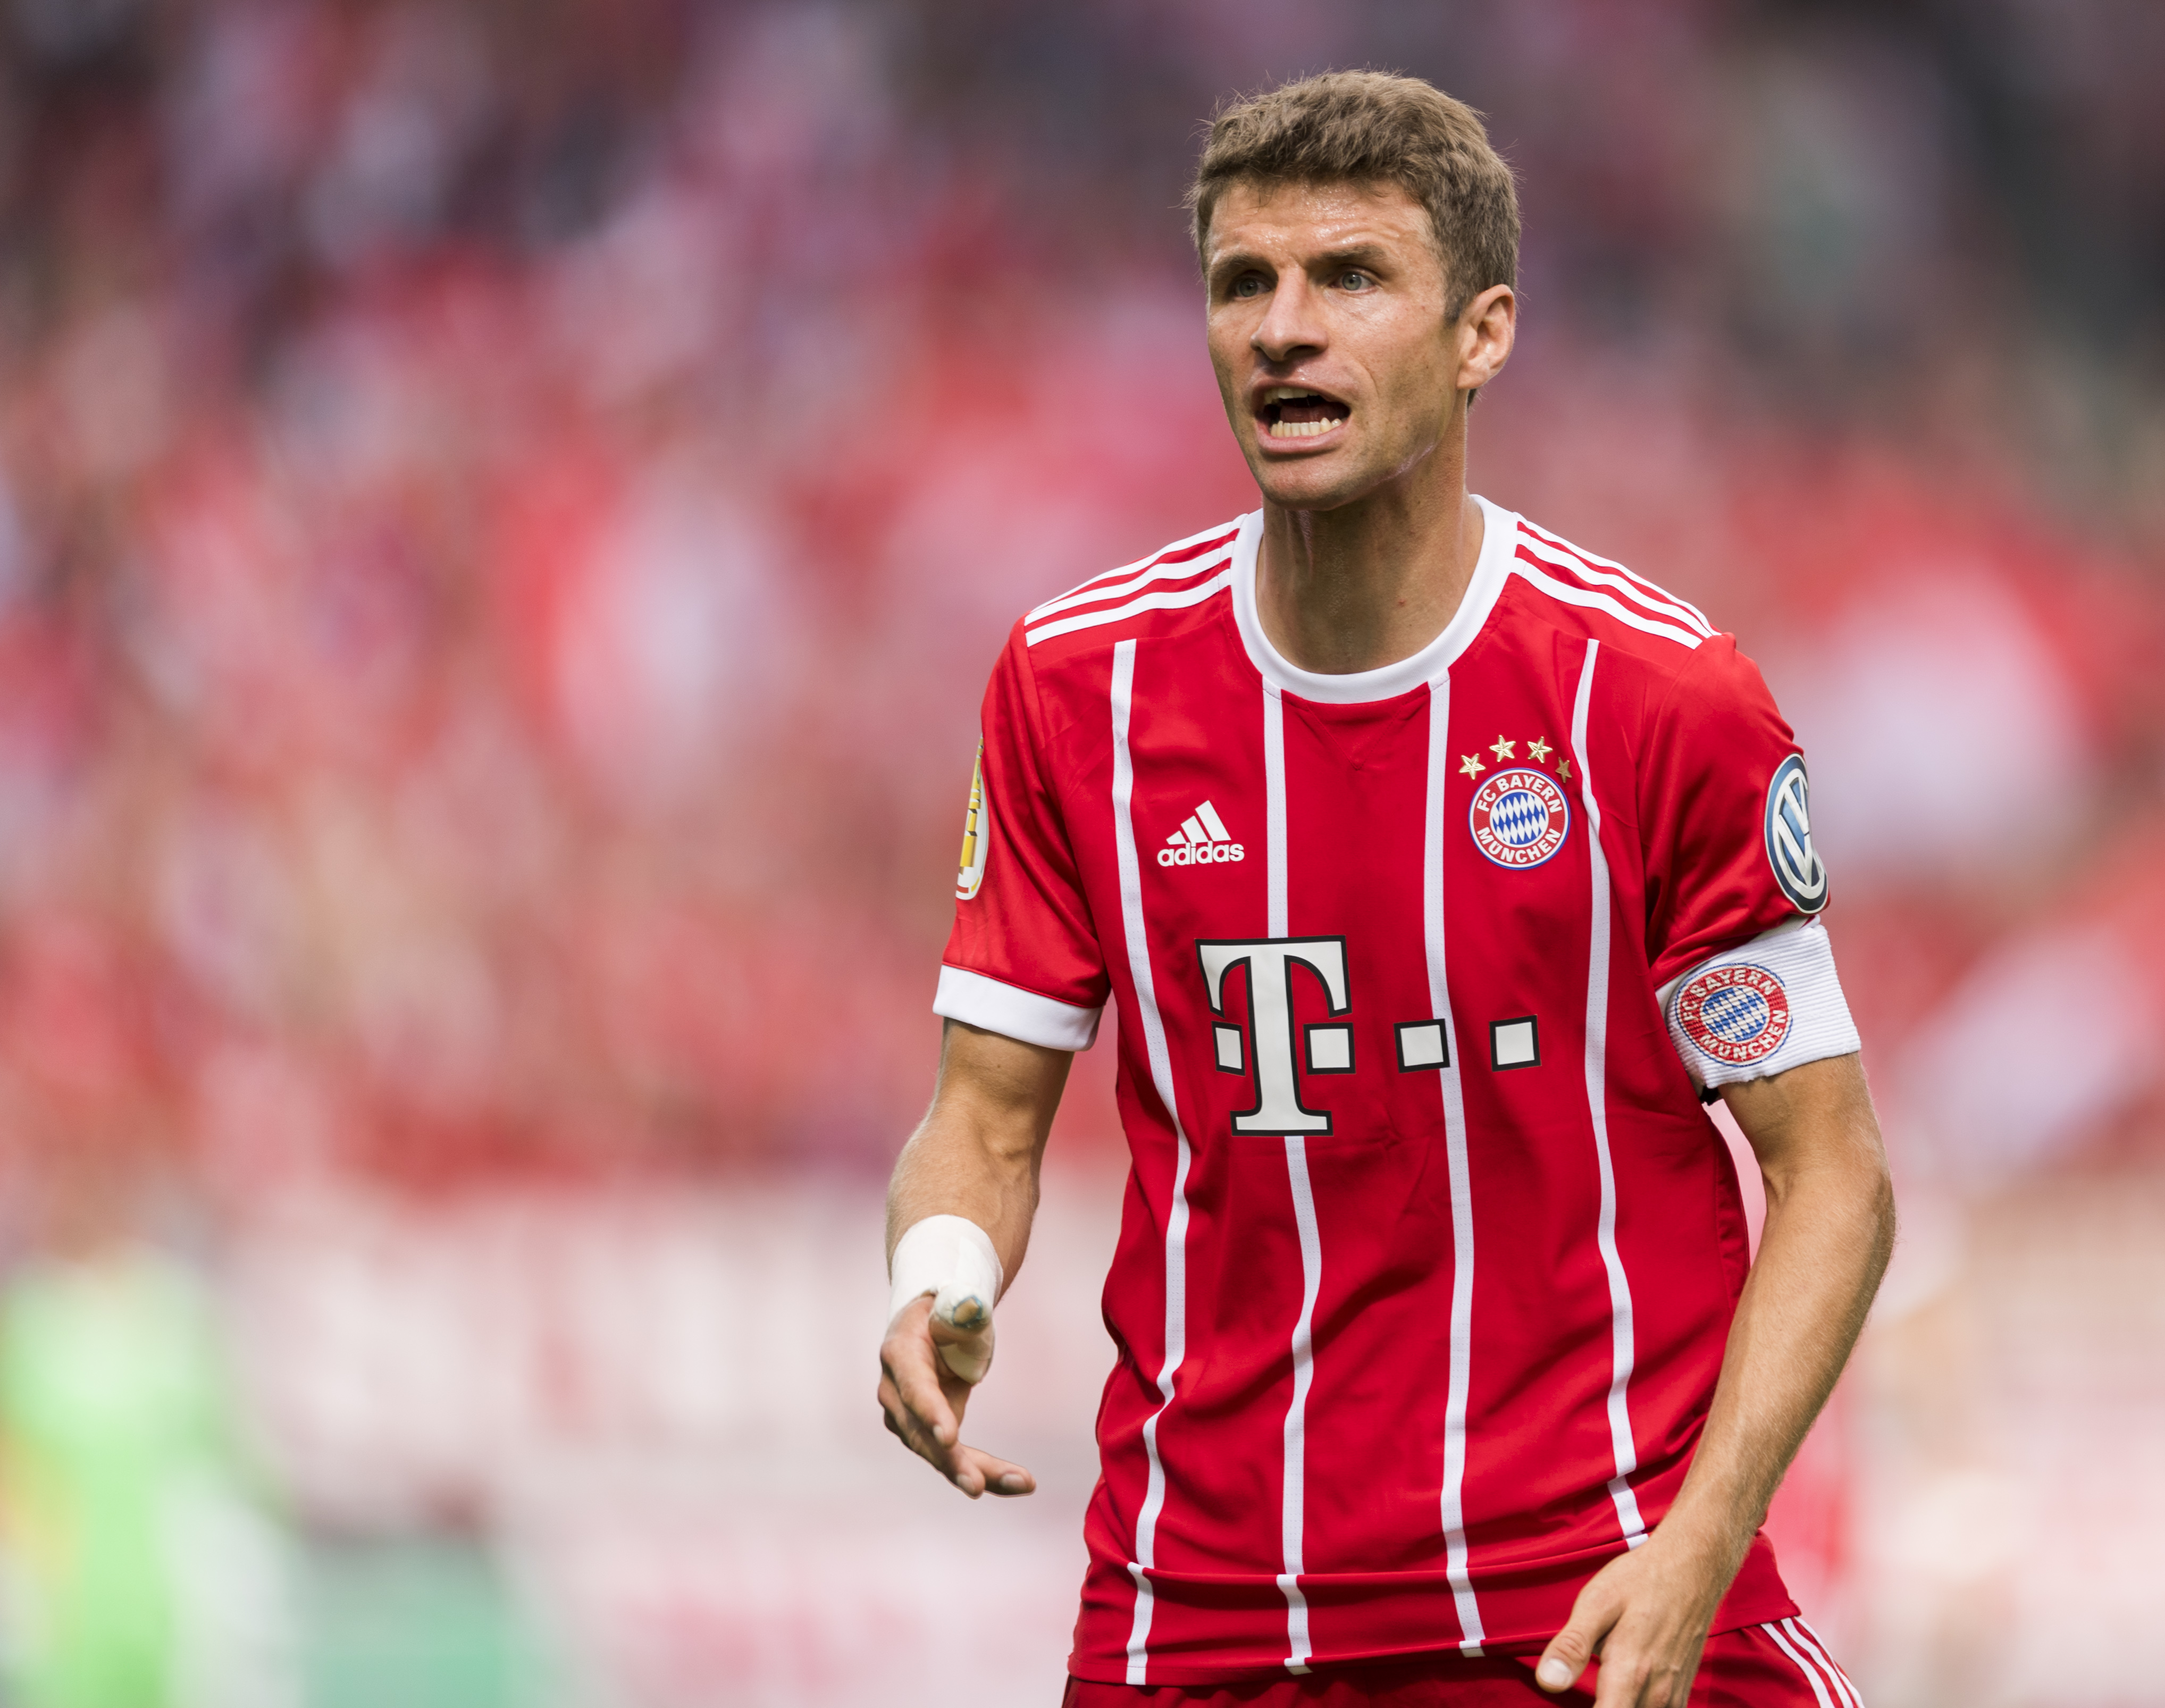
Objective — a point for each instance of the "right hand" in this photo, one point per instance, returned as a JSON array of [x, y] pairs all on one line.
[[924, 1401]]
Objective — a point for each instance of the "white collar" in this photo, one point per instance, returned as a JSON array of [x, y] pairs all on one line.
[[1499, 536]]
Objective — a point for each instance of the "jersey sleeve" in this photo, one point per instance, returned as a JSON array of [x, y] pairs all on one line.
[[1023, 959], [1743, 966], [1723, 813]]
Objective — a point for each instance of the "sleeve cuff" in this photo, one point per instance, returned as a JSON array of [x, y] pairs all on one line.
[[1760, 1009], [1014, 1012]]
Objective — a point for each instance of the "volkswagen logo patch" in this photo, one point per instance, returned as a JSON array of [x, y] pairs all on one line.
[[1520, 818], [1797, 866]]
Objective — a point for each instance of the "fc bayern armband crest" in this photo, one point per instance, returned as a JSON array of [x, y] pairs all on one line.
[[1735, 1014], [1762, 1008], [1797, 868]]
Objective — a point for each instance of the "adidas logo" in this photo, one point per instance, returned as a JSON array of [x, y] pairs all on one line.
[[1202, 840]]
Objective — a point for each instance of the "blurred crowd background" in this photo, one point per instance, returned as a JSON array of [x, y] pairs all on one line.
[[506, 509]]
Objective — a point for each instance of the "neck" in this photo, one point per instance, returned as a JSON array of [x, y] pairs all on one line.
[[1370, 583]]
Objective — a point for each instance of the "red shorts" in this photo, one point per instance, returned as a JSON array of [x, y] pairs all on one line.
[[1783, 1665]]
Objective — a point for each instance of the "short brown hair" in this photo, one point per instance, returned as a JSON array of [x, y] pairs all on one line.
[[1369, 127]]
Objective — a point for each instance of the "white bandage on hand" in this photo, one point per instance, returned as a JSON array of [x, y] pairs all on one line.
[[950, 1257]]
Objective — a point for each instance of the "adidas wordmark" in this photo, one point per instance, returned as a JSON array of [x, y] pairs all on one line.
[[1202, 840]]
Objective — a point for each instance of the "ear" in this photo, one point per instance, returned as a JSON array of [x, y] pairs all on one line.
[[1486, 330]]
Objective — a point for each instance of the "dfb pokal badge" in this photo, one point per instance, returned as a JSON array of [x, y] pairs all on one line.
[[1736, 1015], [1798, 867], [1520, 818]]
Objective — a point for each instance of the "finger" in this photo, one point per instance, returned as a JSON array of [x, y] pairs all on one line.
[[973, 1472], [914, 1433], [1638, 1669], [1668, 1683], [969, 1356], [980, 1473], [1563, 1662], [1621, 1682], [1680, 1692], [962, 1328], [911, 1362], [910, 1430], [963, 1308], [1571, 1649]]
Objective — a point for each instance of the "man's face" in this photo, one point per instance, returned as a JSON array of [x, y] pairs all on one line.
[[1339, 367]]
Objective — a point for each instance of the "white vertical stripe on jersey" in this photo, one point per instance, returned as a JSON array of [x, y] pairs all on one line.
[[1292, 1512], [1810, 1640], [1175, 1226], [1621, 1345], [1461, 1185], [1803, 1666], [1296, 1422], [1274, 812]]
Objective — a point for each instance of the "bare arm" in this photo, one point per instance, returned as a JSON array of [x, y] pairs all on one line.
[[976, 1154], [1830, 1231]]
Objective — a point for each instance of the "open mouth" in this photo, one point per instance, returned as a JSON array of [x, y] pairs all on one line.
[[1290, 412]]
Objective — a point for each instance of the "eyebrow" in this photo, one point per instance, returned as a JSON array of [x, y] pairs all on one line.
[[1371, 255], [1356, 255]]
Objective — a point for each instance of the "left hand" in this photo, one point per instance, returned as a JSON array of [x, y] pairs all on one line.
[[1646, 1615], [923, 1400]]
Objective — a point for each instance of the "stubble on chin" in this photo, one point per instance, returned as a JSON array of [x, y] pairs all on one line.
[[1311, 483]]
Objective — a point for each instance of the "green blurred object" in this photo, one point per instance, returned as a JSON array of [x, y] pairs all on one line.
[[415, 1624], [112, 1415]]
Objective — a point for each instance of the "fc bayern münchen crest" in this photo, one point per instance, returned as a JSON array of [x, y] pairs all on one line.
[[1736, 1013], [1520, 818]]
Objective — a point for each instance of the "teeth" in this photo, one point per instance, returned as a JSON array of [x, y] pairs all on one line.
[[1280, 394], [1300, 430]]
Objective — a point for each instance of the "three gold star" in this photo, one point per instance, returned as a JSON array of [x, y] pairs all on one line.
[[1504, 748]]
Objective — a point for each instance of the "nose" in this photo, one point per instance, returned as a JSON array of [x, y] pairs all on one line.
[[1292, 326]]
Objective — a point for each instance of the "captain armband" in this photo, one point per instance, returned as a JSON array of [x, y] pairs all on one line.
[[1760, 1009]]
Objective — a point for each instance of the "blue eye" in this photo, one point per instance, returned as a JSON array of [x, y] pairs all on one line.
[[1248, 285], [1353, 280]]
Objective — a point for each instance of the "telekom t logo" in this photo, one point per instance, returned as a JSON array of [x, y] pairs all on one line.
[[1272, 963]]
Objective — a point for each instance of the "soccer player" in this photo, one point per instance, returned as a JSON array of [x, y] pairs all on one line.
[[1441, 870]]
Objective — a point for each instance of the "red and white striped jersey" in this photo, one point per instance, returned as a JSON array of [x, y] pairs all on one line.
[[1429, 1251]]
